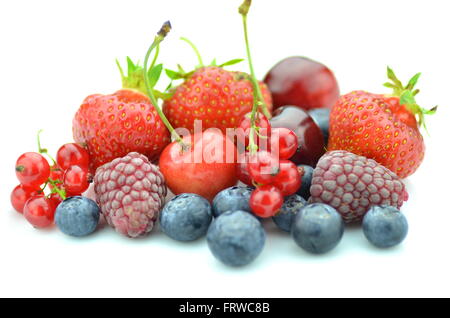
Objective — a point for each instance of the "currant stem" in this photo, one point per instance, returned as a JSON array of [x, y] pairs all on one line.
[[158, 39], [199, 57], [243, 10], [56, 189], [41, 150]]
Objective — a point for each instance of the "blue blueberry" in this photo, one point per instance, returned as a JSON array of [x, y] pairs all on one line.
[[385, 226], [77, 216], [306, 181], [186, 217], [292, 204], [232, 199], [317, 228], [236, 238], [322, 118]]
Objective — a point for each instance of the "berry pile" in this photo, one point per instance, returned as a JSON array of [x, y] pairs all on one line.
[[68, 176], [315, 163]]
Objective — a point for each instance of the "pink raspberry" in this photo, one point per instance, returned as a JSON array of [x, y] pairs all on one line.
[[352, 184], [130, 192]]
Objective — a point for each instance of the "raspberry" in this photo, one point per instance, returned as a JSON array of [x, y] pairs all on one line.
[[352, 184], [130, 192]]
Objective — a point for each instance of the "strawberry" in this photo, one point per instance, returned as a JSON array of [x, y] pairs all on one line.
[[218, 97], [381, 127], [113, 125]]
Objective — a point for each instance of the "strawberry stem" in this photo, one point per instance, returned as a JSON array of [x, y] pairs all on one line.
[[162, 33], [199, 57]]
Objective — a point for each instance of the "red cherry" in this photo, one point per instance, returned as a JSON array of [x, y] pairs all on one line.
[[287, 142], [32, 169], [266, 201], [76, 179], [20, 195], [242, 172], [205, 166], [302, 82], [56, 173], [289, 180], [263, 167], [311, 144], [39, 211], [72, 155], [264, 129]]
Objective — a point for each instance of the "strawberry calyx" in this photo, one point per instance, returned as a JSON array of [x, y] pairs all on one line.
[[134, 78], [406, 95], [181, 74]]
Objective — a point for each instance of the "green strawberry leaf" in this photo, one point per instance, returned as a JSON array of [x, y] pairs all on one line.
[[214, 62], [413, 81], [173, 75], [407, 98], [389, 85], [154, 74], [231, 62], [130, 65], [391, 75]]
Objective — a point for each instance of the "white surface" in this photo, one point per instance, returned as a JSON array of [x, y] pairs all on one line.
[[54, 53]]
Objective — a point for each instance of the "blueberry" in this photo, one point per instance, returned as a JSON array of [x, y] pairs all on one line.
[[385, 226], [186, 217], [306, 181], [236, 238], [232, 199], [292, 204], [77, 216], [317, 228], [322, 118]]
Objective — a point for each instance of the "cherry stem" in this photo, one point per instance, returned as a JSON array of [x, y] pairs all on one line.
[[154, 58], [158, 39], [258, 99], [243, 10], [199, 57], [56, 189], [41, 150]]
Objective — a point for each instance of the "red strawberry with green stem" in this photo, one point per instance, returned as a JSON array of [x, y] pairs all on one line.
[[113, 125], [382, 127], [217, 97]]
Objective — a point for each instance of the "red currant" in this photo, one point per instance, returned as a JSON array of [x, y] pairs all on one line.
[[287, 142], [20, 195], [266, 201], [289, 178], [56, 173], [72, 155], [76, 179], [263, 167], [39, 211], [263, 128], [32, 169], [242, 172], [55, 198]]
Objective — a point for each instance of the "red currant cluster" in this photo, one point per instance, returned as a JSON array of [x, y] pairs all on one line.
[[269, 168], [68, 176]]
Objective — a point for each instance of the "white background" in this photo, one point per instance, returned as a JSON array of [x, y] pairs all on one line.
[[55, 53]]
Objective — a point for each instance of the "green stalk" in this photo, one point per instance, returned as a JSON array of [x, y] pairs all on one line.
[[243, 10], [158, 39], [199, 57], [43, 151]]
